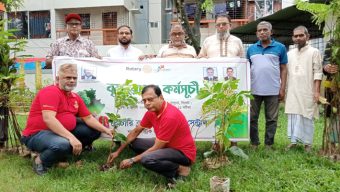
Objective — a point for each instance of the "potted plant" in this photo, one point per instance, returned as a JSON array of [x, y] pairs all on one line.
[[223, 106]]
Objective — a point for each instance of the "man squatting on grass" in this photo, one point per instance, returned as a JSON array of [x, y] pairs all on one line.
[[172, 151], [52, 129]]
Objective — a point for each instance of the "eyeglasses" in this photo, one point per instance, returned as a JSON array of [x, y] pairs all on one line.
[[126, 33], [299, 35], [74, 24], [150, 99], [222, 24], [176, 34]]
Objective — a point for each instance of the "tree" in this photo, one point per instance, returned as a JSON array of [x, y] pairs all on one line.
[[193, 32], [9, 46], [11, 4], [328, 15]]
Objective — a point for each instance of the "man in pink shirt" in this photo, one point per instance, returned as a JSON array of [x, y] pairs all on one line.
[[173, 150], [52, 129]]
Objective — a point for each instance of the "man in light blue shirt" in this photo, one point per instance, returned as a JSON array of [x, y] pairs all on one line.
[[268, 59]]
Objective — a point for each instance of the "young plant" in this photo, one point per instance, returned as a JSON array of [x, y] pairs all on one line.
[[124, 97], [223, 106]]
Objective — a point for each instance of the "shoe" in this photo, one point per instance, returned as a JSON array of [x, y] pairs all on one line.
[[253, 146], [63, 165], [39, 168], [171, 182], [89, 148], [290, 146], [183, 170], [269, 147], [308, 148]]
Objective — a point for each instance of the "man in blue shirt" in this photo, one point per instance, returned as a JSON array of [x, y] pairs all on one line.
[[268, 59]]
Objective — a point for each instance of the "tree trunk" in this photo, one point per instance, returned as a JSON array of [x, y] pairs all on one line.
[[4, 113], [193, 32]]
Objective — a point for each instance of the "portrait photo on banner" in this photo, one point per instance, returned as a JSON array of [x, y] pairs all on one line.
[[229, 73], [88, 73], [210, 74]]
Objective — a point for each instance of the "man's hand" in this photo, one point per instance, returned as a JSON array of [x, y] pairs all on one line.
[[331, 68], [112, 157], [76, 145], [126, 163], [282, 95], [109, 132]]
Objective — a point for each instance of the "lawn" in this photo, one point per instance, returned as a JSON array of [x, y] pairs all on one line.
[[265, 170]]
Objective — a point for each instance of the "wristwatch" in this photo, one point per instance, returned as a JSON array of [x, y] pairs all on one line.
[[132, 160]]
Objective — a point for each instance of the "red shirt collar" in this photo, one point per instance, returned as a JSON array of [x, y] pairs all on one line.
[[67, 93], [164, 105]]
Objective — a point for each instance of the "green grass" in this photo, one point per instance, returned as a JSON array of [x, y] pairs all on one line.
[[266, 171]]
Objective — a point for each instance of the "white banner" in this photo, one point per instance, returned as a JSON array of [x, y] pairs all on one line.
[[179, 80]]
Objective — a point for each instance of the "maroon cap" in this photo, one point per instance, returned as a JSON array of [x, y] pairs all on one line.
[[72, 16]]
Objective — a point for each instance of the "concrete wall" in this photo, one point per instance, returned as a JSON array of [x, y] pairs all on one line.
[[33, 5]]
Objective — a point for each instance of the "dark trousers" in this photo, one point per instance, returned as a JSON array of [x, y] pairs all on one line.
[[271, 109], [164, 161], [54, 148]]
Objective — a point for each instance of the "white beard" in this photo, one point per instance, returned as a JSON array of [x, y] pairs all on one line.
[[223, 35]]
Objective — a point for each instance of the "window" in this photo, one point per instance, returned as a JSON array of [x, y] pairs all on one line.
[[18, 20], [154, 24], [86, 24], [168, 5], [40, 24]]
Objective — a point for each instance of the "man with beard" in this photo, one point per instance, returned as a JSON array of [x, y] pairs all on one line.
[[73, 45], [222, 44], [303, 89], [124, 49], [52, 129], [268, 72], [177, 47]]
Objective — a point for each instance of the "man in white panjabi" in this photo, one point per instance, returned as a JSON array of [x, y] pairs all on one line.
[[177, 47], [222, 44], [303, 89]]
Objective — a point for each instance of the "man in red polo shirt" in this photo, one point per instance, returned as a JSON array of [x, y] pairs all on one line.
[[173, 150], [52, 129]]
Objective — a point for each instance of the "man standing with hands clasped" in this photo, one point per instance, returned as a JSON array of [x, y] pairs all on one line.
[[303, 89]]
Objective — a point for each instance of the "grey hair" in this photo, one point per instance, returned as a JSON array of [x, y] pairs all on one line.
[[305, 30], [269, 25], [65, 67]]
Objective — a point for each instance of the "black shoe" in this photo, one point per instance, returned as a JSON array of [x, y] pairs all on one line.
[[172, 181], [38, 168], [89, 148]]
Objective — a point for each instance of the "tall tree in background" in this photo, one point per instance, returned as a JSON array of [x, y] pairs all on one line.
[[329, 16], [193, 31], [11, 4]]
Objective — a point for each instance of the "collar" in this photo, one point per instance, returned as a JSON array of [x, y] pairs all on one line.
[[172, 46], [258, 43], [79, 38], [66, 93], [164, 106], [123, 48], [303, 48], [226, 37]]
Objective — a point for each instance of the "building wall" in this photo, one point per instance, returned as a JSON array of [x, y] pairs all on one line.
[[31, 5]]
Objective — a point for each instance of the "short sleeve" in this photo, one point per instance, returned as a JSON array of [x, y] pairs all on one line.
[[283, 56], [49, 99], [82, 110], [145, 122]]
